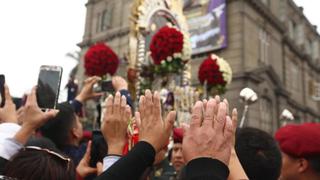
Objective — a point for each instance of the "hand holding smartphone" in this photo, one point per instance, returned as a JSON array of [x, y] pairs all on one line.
[[48, 86], [104, 86]]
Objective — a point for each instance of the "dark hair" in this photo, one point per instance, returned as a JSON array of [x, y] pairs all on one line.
[[258, 153], [315, 163], [42, 142], [58, 128], [40, 165]]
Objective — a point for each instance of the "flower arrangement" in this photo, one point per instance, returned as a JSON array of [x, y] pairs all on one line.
[[216, 73], [170, 50], [100, 60]]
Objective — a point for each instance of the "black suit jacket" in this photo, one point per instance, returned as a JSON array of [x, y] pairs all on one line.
[[132, 166]]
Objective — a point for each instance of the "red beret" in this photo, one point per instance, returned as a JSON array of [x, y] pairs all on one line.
[[299, 140], [177, 135]]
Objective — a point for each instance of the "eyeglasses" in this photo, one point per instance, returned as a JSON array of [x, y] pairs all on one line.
[[68, 160], [6, 178]]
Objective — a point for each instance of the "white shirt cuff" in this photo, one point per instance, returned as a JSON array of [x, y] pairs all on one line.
[[9, 147], [8, 130], [109, 161]]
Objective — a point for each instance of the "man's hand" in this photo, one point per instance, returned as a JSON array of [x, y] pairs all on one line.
[[8, 111], [32, 117], [119, 83], [83, 169], [211, 137], [87, 92], [115, 123], [152, 128]]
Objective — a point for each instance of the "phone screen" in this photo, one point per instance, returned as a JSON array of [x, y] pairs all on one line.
[[48, 86], [2, 97]]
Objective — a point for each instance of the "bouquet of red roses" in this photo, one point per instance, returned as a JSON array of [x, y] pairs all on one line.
[[100, 60], [169, 50], [216, 73]]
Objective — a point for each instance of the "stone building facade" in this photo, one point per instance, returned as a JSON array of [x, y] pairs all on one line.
[[272, 48]]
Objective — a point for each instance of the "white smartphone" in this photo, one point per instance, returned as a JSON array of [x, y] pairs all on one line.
[[48, 86]]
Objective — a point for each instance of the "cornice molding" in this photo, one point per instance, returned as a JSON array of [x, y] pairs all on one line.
[[305, 58], [265, 12], [109, 35], [301, 14]]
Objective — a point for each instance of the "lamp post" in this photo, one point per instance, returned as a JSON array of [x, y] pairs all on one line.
[[249, 97]]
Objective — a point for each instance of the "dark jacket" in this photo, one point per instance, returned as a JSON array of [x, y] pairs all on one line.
[[132, 166]]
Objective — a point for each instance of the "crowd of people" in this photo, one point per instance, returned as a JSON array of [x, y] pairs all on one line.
[[50, 145]]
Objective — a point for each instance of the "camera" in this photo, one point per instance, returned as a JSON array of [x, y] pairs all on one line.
[[103, 86]]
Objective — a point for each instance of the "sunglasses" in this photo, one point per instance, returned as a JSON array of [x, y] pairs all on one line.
[[68, 160]]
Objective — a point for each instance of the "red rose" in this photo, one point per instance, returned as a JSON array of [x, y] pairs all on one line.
[[165, 43], [100, 60], [209, 72]]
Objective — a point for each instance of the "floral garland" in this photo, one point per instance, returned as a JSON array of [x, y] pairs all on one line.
[[100, 60], [216, 73], [170, 50]]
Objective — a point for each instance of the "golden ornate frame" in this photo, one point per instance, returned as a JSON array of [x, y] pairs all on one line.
[[142, 12]]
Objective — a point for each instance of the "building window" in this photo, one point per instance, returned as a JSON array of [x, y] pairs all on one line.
[[264, 46], [313, 88], [291, 27], [295, 75], [315, 50], [316, 94], [106, 19], [299, 34], [98, 23], [307, 46], [283, 10], [266, 115]]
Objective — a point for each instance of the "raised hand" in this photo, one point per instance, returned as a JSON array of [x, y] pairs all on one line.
[[83, 168], [152, 128], [87, 90], [119, 83], [32, 117], [210, 133], [8, 111], [115, 123]]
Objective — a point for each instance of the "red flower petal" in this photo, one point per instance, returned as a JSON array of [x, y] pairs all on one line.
[[100, 60]]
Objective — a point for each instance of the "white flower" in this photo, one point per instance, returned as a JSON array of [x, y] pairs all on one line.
[[225, 68], [177, 55]]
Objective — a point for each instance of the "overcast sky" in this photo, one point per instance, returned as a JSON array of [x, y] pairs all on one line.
[[36, 32]]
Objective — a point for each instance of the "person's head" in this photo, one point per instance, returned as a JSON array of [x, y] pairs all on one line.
[[258, 154], [177, 159], [42, 142], [300, 146], [42, 164], [65, 128]]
